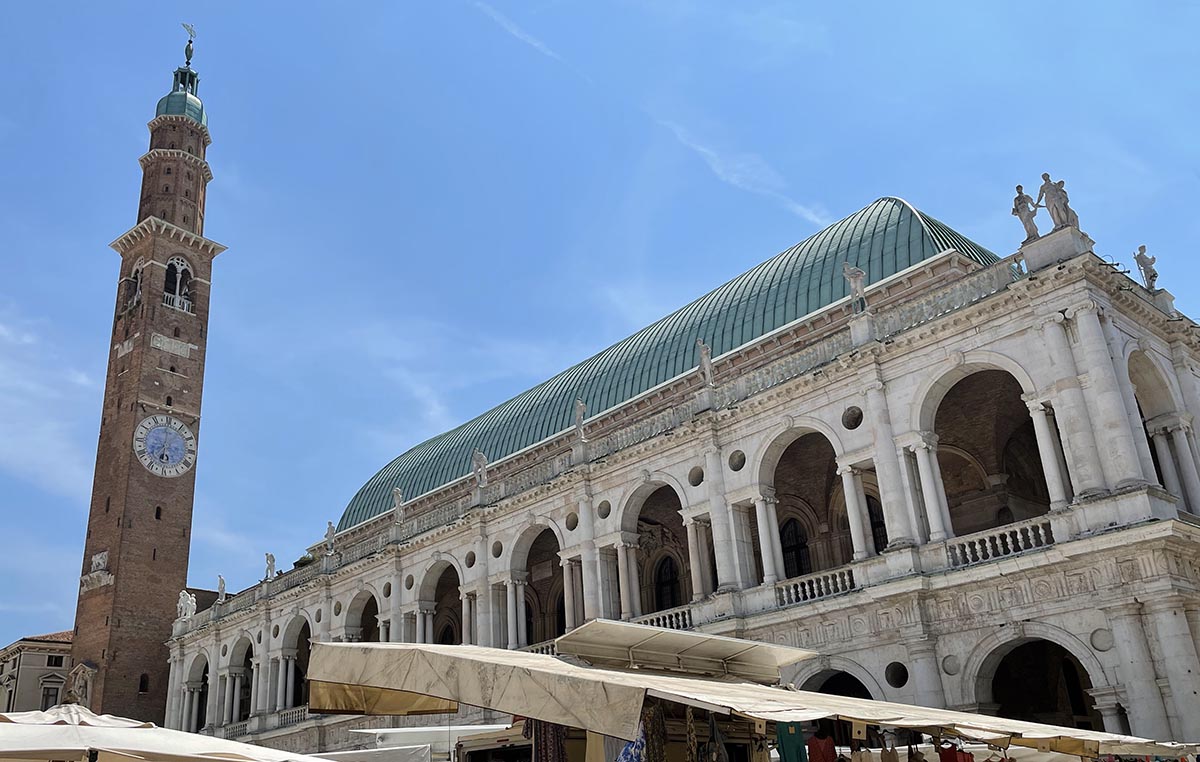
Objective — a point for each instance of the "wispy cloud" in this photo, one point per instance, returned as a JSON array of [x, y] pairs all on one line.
[[746, 171], [510, 26], [43, 400]]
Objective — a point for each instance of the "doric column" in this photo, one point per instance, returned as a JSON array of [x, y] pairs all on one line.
[[623, 581], [193, 709], [854, 512], [589, 558], [227, 704], [513, 633], [238, 676], [635, 581], [212, 712], [290, 695], [1187, 468], [725, 549], [185, 719], [1180, 662], [1129, 397], [1087, 474], [908, 478], [706, 568], [1166, 461], [1059, 454], [428, 613], [1047, 454], [942, 498], [930, 489], [281, 687], [927, 679], [522, 615], [1147, 713], [766, 545], [467, 626], [568, 569], [773, 520], [1112, 422], [254, 686], [697, 567], [173, 668], [396, 629], [484, 624], [887, 469]]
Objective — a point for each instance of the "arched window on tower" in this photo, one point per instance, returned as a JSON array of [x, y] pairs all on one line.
[[177, 289], [133, 287], [794, 543]]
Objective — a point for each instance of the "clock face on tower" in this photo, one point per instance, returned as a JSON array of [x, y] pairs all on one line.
[[165, 445]]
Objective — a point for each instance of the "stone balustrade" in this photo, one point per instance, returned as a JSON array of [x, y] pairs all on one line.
[[235, 729], [294, 716], [546, 647], [815, 586], [1008, 540], [679, 618]]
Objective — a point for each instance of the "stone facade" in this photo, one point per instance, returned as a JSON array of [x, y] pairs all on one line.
[[139, 526], [989, 473], [34, 672]]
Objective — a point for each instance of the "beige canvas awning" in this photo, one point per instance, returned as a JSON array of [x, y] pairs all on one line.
[[389, 677]]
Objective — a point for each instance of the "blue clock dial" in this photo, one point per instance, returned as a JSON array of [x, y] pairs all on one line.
[[164, 445]]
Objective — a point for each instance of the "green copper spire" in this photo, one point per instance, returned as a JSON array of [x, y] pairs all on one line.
[[182, 100]]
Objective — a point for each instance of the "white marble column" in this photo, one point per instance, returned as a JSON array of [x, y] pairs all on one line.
[[1129, 397], [193, 709], [766, 545], [212, 712], [173, 667], [725, 548], [513, 633], [1187, 467], [467, 626], [522, 616], [927, 678], [1180, 660], [589, 558], [706, 560], [396, 629], [281, 688], [696, 563], [930, 489], [908, 477], [255, 676], [290, 695], [1166, 461], [887, 469], [1047, 454], [1117, 450], [854, 512], [776, 541], [1059, 454], [238, 676], [635, 581], [568, 572], [1147, 713], [1083, 455]]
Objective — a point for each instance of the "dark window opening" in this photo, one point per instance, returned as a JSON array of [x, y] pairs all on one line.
[[666, 584], [797, 559], [169, 402], [168, 171], [177, 333], [144, 683], [158, 512], [107, 502], [172, 368], [154, 554]]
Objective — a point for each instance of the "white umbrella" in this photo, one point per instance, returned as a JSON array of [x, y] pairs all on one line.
[[72, 733]]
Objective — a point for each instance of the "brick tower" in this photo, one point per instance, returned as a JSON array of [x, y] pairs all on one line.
[[139, 527]]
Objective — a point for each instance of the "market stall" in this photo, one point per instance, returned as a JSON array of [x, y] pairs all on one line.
[[612, 679]]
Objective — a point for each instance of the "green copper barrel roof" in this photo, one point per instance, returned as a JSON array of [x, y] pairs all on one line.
[[884, 238]]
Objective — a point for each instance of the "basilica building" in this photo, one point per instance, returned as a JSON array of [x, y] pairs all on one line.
[[968, 480]]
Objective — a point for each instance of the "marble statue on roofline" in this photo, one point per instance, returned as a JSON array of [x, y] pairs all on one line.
[[1025, 210], [270, 565], [706, 363], [220, 589], [1145, 263], [580, 416], [856, 277], [330, 531], [479, 464], [397, 498], [1058, 204]]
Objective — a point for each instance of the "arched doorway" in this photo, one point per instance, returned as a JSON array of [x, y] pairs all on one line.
[[296, 649], [661, 555], [447, 607], [839, 683], [987, 453], [198, 682], [807, 487], [241, 662], [362, 619], [544, 614], [1169, 446], [1041, 681]]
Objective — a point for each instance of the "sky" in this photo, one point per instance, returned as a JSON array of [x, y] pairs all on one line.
[[430, 207]]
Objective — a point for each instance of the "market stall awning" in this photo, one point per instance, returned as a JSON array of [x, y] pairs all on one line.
[[72, 732], [363, 677], [624, 645]]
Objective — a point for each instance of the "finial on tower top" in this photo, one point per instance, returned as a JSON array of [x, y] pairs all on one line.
[[187, 51]]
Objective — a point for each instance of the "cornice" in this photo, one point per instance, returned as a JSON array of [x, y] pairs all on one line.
[[175, 153], [180, 119], [153, 226]]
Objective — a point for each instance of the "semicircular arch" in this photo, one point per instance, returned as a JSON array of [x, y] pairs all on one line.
[[635, 497], [432, 574], [813, 668], [934, 389], [767, 459], [988, 653]]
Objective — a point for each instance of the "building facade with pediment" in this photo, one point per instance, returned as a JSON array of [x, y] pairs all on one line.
[[967, 481]]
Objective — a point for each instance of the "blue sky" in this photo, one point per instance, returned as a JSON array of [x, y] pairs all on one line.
[[430, 207]]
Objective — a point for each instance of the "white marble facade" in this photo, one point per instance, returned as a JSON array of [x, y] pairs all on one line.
[[930, 574]]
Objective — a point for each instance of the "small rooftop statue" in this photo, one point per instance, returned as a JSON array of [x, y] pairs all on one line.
[[330, 531], [220, 589], [706, 363], [479, 464], [1145, 263], [1025, 210], [397, 498], [186, 606], [580, 416], [855, 277], [1057, 205], [270, 566]]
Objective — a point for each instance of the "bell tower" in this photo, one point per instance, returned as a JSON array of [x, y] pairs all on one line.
[[135, 556]]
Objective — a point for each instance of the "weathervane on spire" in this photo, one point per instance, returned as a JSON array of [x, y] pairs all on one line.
[[187, 52]]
